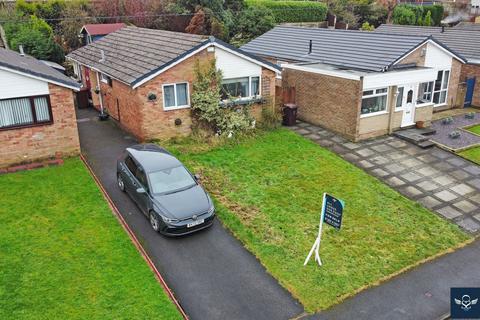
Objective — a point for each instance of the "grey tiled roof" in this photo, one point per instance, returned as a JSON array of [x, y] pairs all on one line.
[[461, 40], [346, 48], [13, 60], [468, 26], [134, 53]]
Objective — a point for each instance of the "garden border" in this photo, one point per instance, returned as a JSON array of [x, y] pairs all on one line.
[[134, 239]]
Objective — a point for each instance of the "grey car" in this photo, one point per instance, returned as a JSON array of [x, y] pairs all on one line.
[[165, 191]]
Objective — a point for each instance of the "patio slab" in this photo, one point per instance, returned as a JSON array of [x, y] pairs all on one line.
[[438, 179]]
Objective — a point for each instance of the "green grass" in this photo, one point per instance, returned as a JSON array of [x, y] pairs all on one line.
[[472, 154], [475, 129], [269, 190], [63, 255]]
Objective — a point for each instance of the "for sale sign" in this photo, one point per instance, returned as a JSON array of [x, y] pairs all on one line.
[[333, 211]]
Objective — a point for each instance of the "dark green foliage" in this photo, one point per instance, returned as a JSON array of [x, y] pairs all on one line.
[[251, 23], [403, 15], [293, 11], [36, 36]]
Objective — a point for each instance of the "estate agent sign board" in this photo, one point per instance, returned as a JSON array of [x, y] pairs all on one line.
[[332, 212]]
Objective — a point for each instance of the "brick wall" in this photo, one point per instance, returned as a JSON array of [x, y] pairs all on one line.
[[453, 84], [328, 101], [148, 120], [416, 57], [25, 145], [472, 70]]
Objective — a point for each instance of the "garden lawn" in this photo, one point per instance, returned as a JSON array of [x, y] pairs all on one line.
[[472, 154], [475, 129], [65, 256], [268, 191]]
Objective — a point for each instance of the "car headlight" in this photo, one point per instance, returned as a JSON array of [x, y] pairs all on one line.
[[168, 220], [211, 210]]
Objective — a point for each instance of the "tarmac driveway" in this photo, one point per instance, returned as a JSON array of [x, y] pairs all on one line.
[[211, 274]]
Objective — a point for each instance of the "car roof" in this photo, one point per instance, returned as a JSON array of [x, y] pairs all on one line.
[[152, 157]]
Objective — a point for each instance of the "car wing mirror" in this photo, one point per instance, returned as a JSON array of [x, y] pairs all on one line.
[[141, 190]]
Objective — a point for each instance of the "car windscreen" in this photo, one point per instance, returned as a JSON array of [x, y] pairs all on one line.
[[170, 180]]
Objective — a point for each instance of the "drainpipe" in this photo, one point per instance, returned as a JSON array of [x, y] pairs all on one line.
[[100, 95]]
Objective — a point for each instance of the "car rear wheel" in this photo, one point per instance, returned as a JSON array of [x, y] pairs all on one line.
[[154, 222], [120, 182]]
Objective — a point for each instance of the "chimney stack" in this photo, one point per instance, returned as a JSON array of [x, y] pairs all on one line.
[[20, 48], [310, 47]]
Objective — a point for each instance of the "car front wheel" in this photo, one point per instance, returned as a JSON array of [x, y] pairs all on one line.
[[154, 222], [120, 182]]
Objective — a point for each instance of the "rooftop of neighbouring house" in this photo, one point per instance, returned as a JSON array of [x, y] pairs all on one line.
[[359, 50], [463, 38], [25, 64], [96, 29], [132, 54]]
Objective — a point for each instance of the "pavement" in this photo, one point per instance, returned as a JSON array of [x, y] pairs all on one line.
[[442, 181], [210, 272]]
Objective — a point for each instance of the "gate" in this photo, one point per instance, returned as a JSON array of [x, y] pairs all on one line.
[[469, 93]]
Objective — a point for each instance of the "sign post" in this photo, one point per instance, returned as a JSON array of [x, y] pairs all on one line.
[[332, 211]]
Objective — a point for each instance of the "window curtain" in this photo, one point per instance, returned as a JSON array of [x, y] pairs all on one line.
[[41, 109], [182, 99], [15, 112], [255, 86], [169, 96]]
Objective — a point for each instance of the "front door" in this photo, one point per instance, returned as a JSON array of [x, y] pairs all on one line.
[[469, 93], [408, 106]]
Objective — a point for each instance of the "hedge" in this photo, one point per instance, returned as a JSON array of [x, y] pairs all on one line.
[[420, 12], [293, 11]]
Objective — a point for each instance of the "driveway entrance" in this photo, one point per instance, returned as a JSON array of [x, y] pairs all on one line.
[[211, 274]]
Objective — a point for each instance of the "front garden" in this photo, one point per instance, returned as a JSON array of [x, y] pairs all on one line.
[[64, 255], [268, 191]]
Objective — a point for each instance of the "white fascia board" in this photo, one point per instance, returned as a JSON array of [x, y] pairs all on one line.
[[41, 79], [473, 61], [206, 45], [395, 78], [332, 73]]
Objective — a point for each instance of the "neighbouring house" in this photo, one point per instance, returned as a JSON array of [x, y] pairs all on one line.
[[464, 39], [93, 32], [362, 84], [143, 78], [37, 113]]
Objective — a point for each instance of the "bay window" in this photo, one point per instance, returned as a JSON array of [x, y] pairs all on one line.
[[26, 111], [175, 96], [424, 94], [374, 101], [237, 88], [440, 87]]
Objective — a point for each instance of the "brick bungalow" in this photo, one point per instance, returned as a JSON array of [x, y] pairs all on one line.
[[362, 84], [464, 39], [37, 112], [143, 78]]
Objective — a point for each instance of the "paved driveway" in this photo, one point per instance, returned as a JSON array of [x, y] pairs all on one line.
[[440, 180], [212, 275]]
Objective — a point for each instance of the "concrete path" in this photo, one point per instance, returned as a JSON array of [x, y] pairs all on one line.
[[211, 274], [440, 180]]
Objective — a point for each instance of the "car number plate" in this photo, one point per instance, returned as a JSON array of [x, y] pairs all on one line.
[[195, 223]]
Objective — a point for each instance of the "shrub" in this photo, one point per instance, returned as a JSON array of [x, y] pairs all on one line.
[[271, 117], [404, 15], [206, 107], [470, 115], [251, 23], [454, 135], [293, 11], [447, 120], [367, 27]]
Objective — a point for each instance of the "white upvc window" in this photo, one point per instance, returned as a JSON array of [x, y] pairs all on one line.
[[440, 88], [241, 88], [374, 102], [175, 96], [424, 93], [104, 78]]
